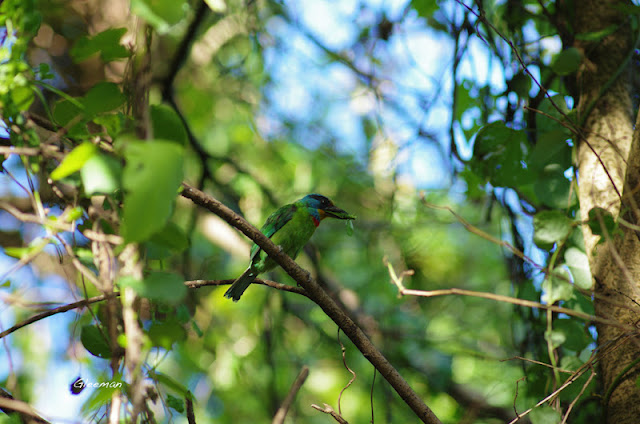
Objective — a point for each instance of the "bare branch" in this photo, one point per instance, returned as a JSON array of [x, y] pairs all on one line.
[[516, 301], [329, 410]]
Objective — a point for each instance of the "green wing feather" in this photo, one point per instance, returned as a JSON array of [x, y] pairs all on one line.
[[275, 221]]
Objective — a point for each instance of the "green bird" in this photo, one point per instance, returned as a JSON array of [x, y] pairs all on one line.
[[290, 227]]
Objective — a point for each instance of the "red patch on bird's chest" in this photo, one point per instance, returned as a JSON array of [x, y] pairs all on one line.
[[316, 221]]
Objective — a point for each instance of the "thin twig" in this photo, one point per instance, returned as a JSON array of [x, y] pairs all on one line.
[[193, 284], [575, 400], [516, 301], [58, 310], [353, 374], [281, 413], [26, 412], [329, 410]]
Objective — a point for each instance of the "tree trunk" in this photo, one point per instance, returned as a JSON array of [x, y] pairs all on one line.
[[608, 165]]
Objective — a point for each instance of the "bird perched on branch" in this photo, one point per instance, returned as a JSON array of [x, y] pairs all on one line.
[[290, 227]]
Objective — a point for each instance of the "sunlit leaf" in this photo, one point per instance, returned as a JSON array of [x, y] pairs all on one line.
[[151, 177], [75, 160], [556, 338], [550, 227], [557, 286], [161, 14], [101, 174], [22, 97], [578, 264]]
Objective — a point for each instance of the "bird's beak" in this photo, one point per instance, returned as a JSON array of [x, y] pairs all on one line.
[[335, 212]]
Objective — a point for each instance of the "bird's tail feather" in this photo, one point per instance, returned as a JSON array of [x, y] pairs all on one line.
[[240, 285]]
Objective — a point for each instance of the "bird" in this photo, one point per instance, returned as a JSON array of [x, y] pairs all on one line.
[[290, 228]]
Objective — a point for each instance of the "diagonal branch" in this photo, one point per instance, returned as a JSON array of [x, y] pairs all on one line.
[[295, 388], [321, 298]]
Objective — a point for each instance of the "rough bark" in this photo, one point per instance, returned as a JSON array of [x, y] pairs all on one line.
[[608, 164]]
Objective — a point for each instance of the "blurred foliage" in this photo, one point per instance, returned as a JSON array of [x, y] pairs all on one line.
[[259, 107]]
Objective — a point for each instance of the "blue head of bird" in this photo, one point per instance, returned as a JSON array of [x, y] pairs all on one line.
[[320, 207]]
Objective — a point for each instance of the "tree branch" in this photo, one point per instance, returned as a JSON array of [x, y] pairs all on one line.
[[295, 387], [322, 299], [193, 284]]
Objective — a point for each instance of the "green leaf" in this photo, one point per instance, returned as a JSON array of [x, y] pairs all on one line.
[[166, 287], [499, 153], [170, 383], [425, 8], [595, 215], [349, 224], [599, 35], [551, 148], [464, 100], [103, 97], [567, 61], [94, 341], [557, 287], [170, 239], [167, 125], [196, 329], [474, 183], [553, 112], [107, 43], [113, 123], [161, 286], [175, 403], [578, 264], [151, 178], [553, 189], [521, 84], [22, 97], [66, 111], [101, 174], [75, 160], [574, 334], [161, 14], [102, 396], [580, 304], [17, 252], [550, 227], [556, 338], [165, 334]]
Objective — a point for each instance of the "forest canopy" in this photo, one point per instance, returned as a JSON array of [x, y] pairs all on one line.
[[482, 155]]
